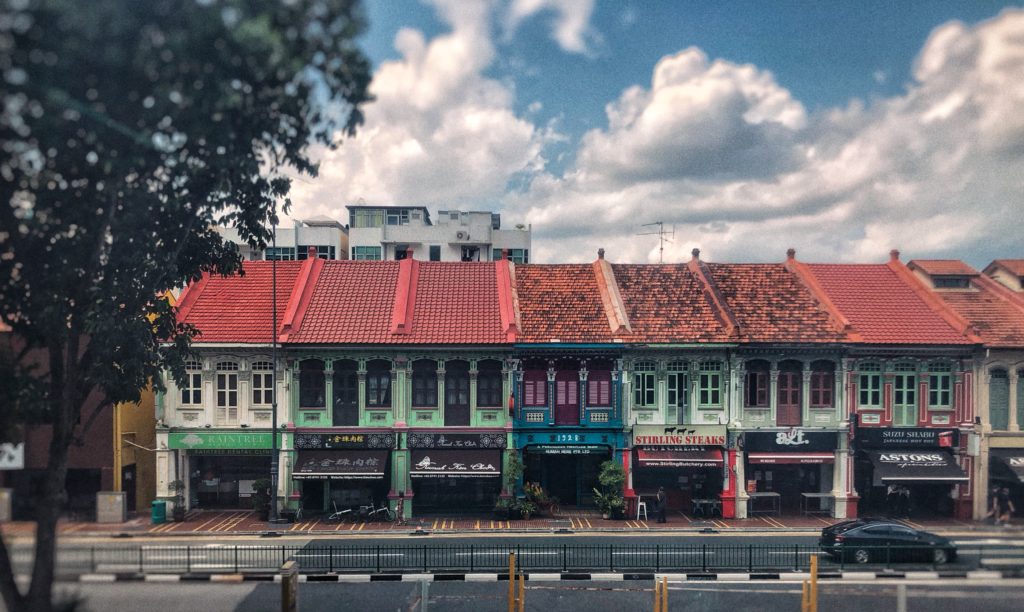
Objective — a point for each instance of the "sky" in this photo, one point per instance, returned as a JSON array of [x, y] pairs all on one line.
[[840, 129]]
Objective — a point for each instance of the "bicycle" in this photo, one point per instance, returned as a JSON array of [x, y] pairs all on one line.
[[340, 515], [383, 513]]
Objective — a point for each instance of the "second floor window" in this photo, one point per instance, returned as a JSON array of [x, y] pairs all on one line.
[[599, 388], [227, 392], [192, 390], [535, 388], [312, 387], [424, 383], [709, 385], [366, 253], [822, 384], [378, 384], [756, 385], [262, 383], [488, 384], [869, 385], [644, 385], [940, 386]]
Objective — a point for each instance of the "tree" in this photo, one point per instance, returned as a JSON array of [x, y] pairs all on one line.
[[128, 131]]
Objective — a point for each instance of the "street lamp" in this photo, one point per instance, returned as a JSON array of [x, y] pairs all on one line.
[[272, 516]]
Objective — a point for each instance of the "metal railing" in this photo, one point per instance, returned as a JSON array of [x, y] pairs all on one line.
[[317, 558]]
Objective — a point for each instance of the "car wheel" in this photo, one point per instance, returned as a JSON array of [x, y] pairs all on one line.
[[940, 556], [861, 556]]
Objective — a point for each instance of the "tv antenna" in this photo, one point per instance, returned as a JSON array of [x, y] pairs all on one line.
[[663, 237]]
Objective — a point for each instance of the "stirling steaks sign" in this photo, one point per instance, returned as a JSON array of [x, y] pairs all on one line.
[[678, 436]]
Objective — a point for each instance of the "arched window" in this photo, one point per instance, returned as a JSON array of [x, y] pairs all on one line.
[[756, 384], [312, 386], [823, 379], [227, 393], [378, 383], [488, 384], [869, 385], [192, 387], [262, 383], [644, 395], [424, 383], [940, 385], [709, 384]]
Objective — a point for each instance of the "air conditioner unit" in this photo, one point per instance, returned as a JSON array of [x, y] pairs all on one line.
[[462, 235]]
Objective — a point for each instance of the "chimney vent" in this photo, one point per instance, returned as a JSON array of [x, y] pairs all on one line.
[[696, 254], [600, 253], [894, 255], [311, 252], [791, 253]]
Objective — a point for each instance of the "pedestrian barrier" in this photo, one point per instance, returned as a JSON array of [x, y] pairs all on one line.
[[477, 557]]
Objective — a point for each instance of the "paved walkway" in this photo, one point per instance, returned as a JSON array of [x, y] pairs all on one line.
[[245, 522]]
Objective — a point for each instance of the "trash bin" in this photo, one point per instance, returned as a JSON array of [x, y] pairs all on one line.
[[159, 512]]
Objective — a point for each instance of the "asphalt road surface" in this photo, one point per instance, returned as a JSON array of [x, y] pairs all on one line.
[[948, 596]]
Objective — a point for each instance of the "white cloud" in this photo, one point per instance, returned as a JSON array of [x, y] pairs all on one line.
[[727, 155], [570, 24]]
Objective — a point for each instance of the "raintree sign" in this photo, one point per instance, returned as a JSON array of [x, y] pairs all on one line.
[[219, 440], [12, 456]]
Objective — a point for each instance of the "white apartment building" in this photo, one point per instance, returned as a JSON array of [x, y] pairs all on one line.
[[388, 232], [328, 236]]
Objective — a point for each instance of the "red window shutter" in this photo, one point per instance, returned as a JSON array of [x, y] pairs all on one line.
[[572, 392], [528, 393]]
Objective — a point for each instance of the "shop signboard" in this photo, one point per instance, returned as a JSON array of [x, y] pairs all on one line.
[[568, 449], [435, 439], [12, 456], [789, 441], [220, 440], [907, 437], [678, 436], [327, 465], [344, 440], [455, 464]]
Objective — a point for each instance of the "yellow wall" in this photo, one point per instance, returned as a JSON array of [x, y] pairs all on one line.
[[136, 423]]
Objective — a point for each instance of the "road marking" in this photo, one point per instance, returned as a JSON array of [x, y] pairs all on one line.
[[434, 527], [216, 517], [478, 525]]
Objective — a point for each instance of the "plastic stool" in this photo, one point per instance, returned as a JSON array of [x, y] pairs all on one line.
[[641, 507]]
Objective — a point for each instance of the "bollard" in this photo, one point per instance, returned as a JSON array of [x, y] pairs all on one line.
[[511, 582], [814, 584], [805, 592], [290, 587], [661, 594], [424, 595], [522, 591], [901, 598]]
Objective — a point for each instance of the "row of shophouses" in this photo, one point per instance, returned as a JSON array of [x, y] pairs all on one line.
[[738, 387]]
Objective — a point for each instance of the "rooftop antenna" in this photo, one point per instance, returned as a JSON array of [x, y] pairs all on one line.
[[663, 237]]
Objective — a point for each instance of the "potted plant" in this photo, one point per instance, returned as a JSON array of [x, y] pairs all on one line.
[[526, 508], [609, 499], [261, 498], [502, 507], [177, 489]]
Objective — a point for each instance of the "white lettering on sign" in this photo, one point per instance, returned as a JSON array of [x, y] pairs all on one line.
[[12, 456], [909, 457], [1017, 461], [793, 437]]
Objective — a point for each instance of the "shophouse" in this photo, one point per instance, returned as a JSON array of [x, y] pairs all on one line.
[[908, 378], [996, 314]]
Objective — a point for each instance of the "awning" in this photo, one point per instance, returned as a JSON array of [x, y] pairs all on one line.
[[789, 458], [340, 465], [676, 459], [916, 466], [431, 463], [1012, 459]]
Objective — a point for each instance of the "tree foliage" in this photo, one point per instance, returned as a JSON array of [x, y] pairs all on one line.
[[128, 130]]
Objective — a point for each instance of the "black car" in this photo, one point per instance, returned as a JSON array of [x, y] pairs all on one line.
[[869, 540]]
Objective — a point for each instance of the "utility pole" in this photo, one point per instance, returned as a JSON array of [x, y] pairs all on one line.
[[662, 237]]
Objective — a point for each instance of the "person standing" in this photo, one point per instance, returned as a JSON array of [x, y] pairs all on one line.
[[1005, 506], [662, 502]]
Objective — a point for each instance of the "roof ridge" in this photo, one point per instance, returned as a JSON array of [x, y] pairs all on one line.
[[405, 296], [504, 277], [835, 316], [300, 297], [721, 308], [937, 304], [611, 298]]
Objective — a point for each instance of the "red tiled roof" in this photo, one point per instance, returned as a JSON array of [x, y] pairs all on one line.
[[237, 309], [994, 311], [943, 267], [1013, 266], [772, 305], [882, 306], [561, 301], [666, 303], [453, 303]]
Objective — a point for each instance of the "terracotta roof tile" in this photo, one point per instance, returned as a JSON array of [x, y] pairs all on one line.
[[882, 307], [666, 303], [561, 301], [992, 310], [237, 309], [1014, 266], [772, 305], [943, 267]]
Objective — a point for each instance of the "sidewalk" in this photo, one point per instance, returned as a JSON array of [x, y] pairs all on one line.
[[245, 522]]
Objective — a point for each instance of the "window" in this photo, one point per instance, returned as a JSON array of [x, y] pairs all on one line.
[[709, 384], [367, 218], [401, 252], [312, 386], [822, 384], [279, 253], [227, 393], [756, 385], [470, 253], [869, 385], [378, 384], [519, 256], [677, 387], [435, 252], [952, 282], [535, 388], [424, 383], [488, 384], [366, 253], [940, 385], [323, 251], [192, 390], [397, 217], [262, 383], [599, 386], [643, 384]]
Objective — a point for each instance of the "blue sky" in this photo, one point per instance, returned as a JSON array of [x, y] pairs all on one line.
[[839, 128]]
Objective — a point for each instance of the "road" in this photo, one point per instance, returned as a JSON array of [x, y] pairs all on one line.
[[948, 596], [538, 553]]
